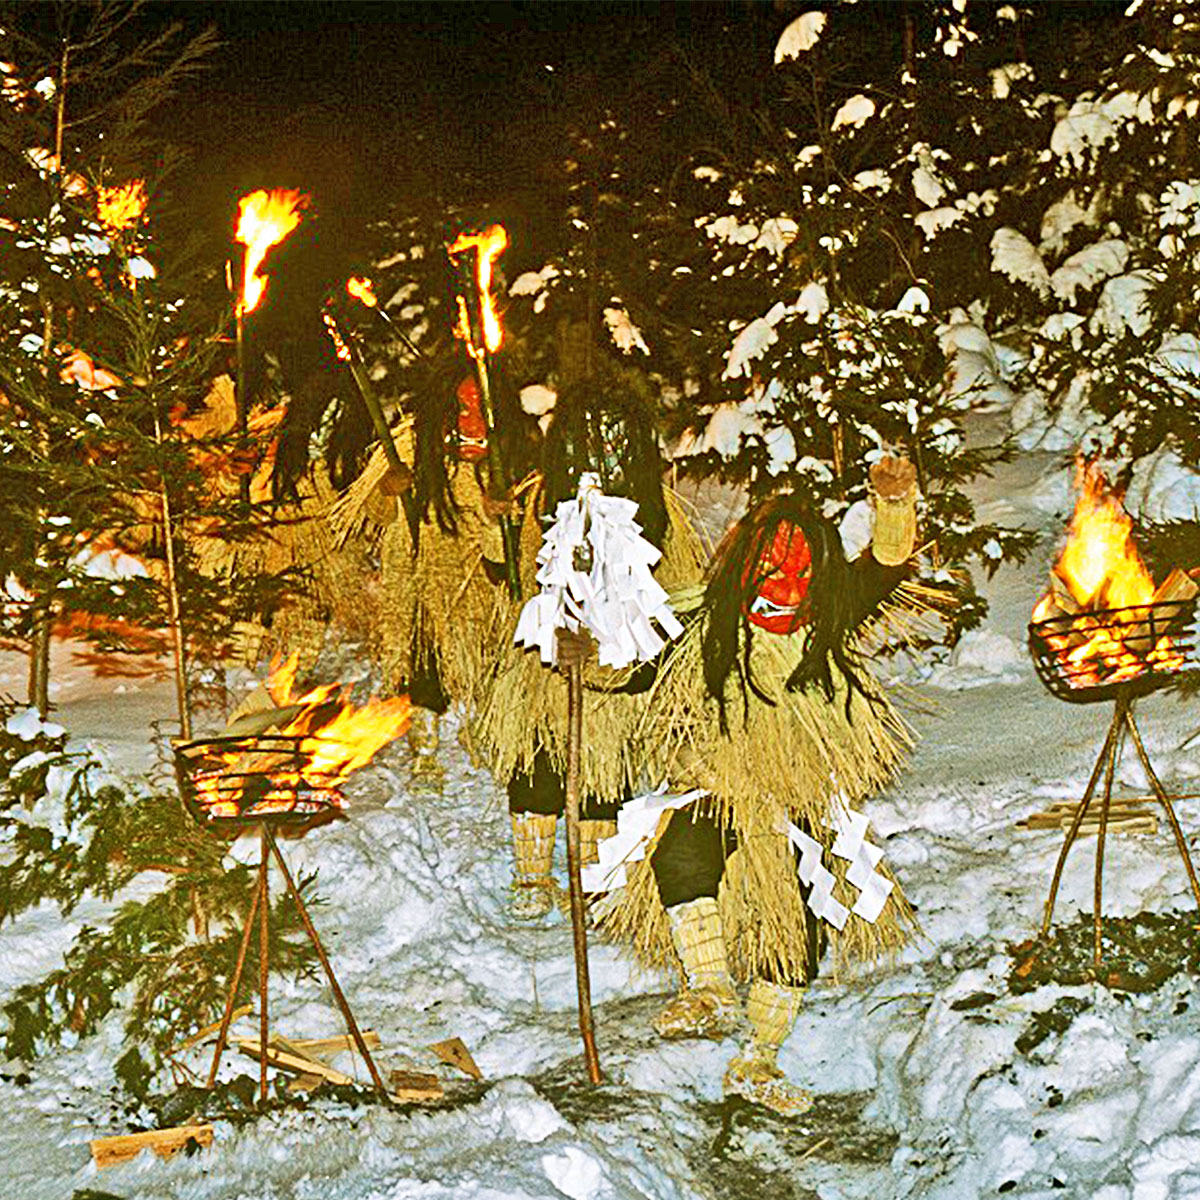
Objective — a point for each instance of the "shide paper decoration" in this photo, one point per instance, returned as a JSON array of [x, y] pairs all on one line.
[[637, 821], [850, 844], [594, 572]]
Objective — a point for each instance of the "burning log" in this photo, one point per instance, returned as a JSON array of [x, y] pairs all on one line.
[[1102, 621], [286, 755]]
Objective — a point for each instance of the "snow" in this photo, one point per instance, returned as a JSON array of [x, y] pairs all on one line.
[[801, 34], [1015, 256], [921, 1089]]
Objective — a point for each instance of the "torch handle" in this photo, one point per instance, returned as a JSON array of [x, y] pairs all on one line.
[[498, 481], [582, 980]]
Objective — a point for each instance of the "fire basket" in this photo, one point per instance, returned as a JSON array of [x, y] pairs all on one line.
[[1085, 657], [1120, 655], [1104, 631], [240, 781], [285, 774]]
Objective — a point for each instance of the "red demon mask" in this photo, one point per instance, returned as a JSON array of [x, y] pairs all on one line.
[[472, 427], [785, 568]]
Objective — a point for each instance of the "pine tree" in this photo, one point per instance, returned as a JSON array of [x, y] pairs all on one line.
[[77, 99]]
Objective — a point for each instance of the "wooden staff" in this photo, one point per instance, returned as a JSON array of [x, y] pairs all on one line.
[[572, 650]]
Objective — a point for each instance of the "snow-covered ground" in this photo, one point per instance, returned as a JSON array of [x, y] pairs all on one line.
[[928, 1081]]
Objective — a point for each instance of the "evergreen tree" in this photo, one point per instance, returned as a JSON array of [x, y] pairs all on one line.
[[79, 90]]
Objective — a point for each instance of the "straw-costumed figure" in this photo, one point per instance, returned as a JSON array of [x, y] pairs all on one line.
[[766, 704], [327, 582], [522, 706]]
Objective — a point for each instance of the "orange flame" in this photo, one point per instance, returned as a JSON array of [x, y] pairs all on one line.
[[1103, 572], [264, 220], [489, 244], [121, 207], [79, 368], [360, 289], [334, 742]]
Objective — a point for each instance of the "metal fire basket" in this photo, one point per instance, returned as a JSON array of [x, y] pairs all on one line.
[[242, 781], [1135, 663], [1141, 662], [230, 783]]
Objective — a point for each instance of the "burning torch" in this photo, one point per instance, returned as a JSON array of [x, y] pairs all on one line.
[[482, 337], [360, 289], [264, 220]]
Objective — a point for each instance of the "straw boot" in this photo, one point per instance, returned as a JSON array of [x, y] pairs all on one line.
[[423, 741], [533, 856], [753, 1074], [591, 834], [707, 1005]]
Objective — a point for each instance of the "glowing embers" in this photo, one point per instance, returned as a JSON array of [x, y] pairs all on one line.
[[360, 289], [1103, 627], [264, 220], [285, 762]]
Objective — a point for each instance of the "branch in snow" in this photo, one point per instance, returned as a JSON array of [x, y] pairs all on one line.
[[1015, 256]]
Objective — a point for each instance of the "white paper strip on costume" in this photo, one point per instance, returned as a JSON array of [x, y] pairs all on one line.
[[817, 879], [851, 844], [637, 820], [616, 598]]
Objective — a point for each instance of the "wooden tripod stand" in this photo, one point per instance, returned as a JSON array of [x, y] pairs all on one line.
[[260, 904], [1122, 722]]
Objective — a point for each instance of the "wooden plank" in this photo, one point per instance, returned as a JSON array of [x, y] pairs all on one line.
[[408, 1087], [455, 1052], [293, 1062], [108, 1151], [1136, 822], [411, 1086], [279, 1042], [215, 1027], [335, 1045]]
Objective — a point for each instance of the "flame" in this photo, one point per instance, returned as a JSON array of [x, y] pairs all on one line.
[[1102, 571], [79, 368], [489, 245], [121, 207], [334, 742], [360, 289], [264, 220]]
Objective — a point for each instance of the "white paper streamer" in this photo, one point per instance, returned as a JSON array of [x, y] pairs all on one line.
[[637, 820], [851, 844], [863, 857], [594, 571], [819, 881]]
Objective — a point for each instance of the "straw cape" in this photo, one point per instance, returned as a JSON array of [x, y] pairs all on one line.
[[440, 612], [293, 542], [522, 705], [790, 760]]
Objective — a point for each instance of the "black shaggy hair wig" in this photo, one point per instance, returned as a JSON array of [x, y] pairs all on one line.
[[435, 411], [606, 430], [841, 596]]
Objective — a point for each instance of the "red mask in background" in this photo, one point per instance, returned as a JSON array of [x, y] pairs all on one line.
[[781, 604], [472, 428]]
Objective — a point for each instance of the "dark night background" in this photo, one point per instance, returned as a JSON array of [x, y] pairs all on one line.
[[365, 105]]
